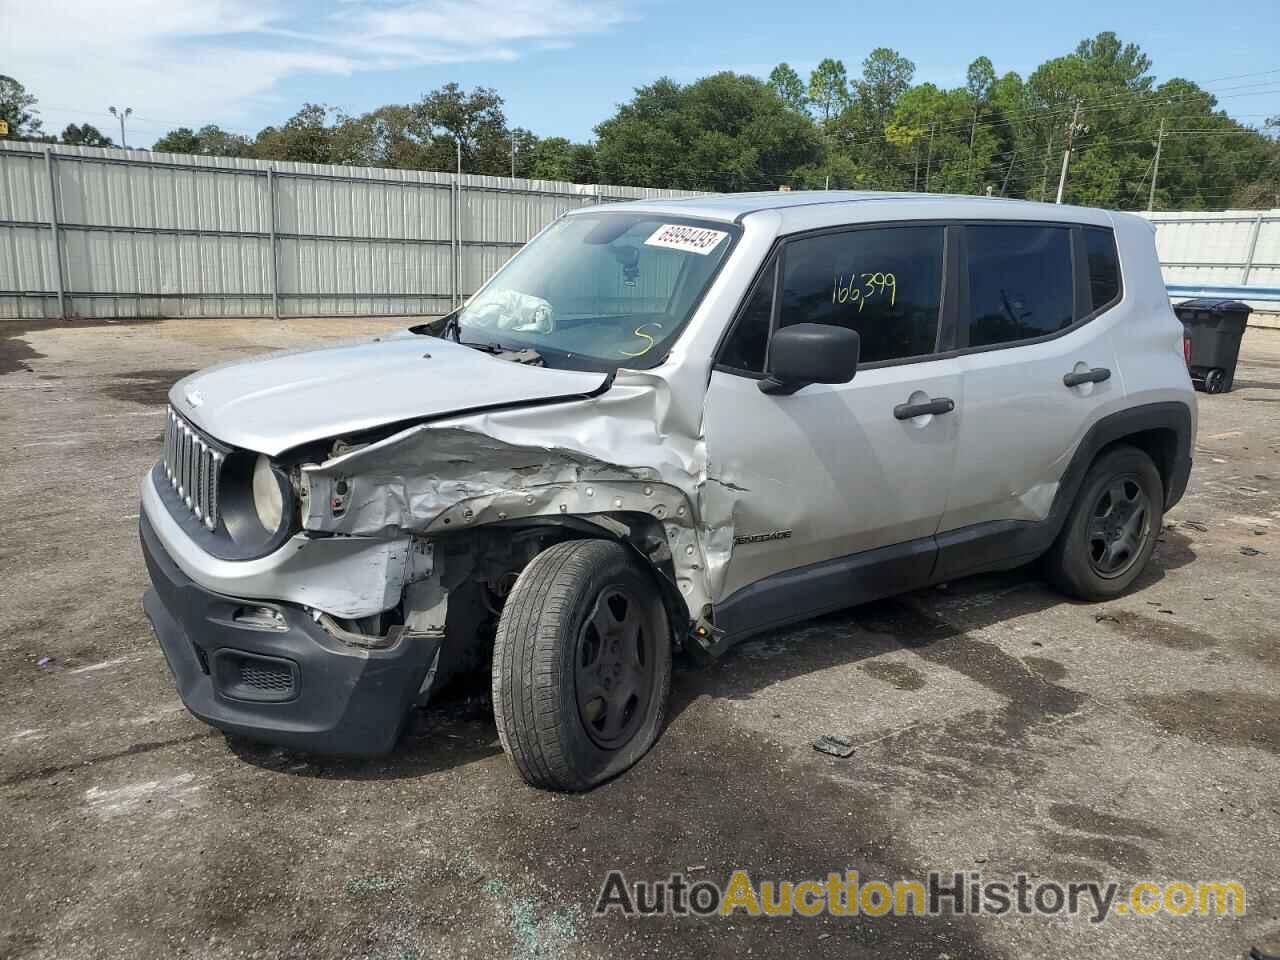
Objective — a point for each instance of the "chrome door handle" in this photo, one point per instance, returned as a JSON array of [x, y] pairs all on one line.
[[1096, 375], [905, 411]]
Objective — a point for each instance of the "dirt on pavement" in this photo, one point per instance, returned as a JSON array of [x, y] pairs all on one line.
[[998, 729]]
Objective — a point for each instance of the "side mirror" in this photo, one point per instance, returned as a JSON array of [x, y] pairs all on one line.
[[806, 353]]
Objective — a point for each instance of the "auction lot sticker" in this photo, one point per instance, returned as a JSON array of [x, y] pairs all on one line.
[[675, 236]]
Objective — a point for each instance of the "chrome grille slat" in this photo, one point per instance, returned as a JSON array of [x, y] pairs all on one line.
[[192, 464]]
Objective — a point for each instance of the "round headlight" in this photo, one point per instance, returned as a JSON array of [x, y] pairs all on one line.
[[268, 501]]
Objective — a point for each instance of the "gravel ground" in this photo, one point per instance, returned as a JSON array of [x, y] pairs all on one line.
[[998, 729]]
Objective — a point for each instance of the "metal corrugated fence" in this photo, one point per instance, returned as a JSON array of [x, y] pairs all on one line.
[[93, 232], [1214, 253]]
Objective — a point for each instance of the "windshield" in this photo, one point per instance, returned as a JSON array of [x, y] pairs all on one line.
[[598, 291]]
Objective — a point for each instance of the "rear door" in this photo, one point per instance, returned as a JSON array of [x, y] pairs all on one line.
[[834, 471], [1039, 369]]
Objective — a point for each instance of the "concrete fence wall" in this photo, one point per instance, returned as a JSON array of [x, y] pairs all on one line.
[[94, 232]]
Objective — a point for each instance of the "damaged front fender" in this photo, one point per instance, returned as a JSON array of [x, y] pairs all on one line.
[[608, 459]]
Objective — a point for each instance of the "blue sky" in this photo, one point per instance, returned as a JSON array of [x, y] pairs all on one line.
[[562, 65]]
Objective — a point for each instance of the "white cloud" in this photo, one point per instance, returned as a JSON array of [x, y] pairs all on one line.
[[189, 62]]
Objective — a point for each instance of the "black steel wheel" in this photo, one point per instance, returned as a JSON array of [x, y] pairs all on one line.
[[1112, 528], [1119, 526], [581, 665], [613, 668], [1215, 381]]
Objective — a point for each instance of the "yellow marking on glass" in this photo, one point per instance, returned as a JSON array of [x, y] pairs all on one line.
[[639, 332]]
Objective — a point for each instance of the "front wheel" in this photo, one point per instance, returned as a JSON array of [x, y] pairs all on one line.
[[581, 665], [1111, 531]]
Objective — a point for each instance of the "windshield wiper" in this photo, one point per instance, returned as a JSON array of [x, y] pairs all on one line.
[[525, 355]]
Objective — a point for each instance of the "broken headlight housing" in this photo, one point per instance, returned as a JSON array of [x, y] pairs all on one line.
[[256, 502]]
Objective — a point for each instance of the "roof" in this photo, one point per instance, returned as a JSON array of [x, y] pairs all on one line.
[[797, 207]]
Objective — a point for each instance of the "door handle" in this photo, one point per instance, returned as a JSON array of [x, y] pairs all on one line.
[[1096, 375], [905, 411]]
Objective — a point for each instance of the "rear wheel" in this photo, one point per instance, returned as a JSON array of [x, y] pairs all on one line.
[[1112, 528], [581, 665]]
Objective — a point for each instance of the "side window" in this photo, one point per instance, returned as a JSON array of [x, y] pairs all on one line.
[[1104, 267], [744, 350], [1020, 282], [885, 283]]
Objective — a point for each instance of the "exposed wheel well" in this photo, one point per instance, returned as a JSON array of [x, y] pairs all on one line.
[[480, 567], [1159, 443]]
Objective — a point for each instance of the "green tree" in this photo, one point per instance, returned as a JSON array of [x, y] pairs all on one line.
[[725, 132], [86, 135], [886, 76], [450, 117], [829, 87], [979, 79], [862, 129], [305, 137], [181, 140], [556, 158], [18, 110], [786, 83], [209, 141]]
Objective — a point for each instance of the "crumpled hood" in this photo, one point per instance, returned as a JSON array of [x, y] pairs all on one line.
[[280, 401]]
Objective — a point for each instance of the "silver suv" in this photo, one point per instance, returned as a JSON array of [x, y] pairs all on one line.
[[662, 425]]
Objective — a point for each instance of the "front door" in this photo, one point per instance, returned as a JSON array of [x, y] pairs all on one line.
[[800, 486]]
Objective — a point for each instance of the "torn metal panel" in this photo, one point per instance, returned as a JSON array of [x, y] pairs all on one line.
[[628, 451]]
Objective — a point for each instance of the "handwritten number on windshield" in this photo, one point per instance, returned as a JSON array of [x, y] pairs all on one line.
[[873, 285], [639, 332]]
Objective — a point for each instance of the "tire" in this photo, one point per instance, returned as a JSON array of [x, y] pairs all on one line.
[[1112, 528], [1215, 381], [583, 627]]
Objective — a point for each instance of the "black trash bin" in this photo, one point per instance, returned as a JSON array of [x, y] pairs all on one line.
[[1211, 334]]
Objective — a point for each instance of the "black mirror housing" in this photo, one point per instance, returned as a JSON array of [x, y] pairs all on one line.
[[806, 353]]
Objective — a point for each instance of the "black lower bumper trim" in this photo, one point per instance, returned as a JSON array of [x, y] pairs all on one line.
[[317, 695]]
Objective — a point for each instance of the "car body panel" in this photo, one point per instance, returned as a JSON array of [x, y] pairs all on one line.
[[827, 471], [277, 402], [1019, 423]]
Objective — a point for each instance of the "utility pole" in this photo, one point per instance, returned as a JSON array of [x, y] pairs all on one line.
[[513, 156], [1155, 169], [1008, 173], [928, 162], [458, 144], [973, 129], [1044, 180], [1066, 154], [121, 114]]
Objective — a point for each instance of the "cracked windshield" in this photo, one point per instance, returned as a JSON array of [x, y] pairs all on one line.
[[596, 292]]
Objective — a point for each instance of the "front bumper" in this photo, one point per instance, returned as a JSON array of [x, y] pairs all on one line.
[[281, 680]]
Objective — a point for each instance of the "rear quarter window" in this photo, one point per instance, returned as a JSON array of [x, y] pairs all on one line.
[[1104, 267]]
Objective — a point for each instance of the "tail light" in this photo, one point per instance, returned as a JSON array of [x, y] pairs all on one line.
[[1186, 350]]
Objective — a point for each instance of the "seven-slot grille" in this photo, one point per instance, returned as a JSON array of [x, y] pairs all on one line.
[[192, 463]]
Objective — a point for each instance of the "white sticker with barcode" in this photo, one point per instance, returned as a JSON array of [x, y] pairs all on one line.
[[676, 236]]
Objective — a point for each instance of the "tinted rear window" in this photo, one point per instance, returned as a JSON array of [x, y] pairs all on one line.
[[1104, 267], [1020, 282], [885, 283]]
